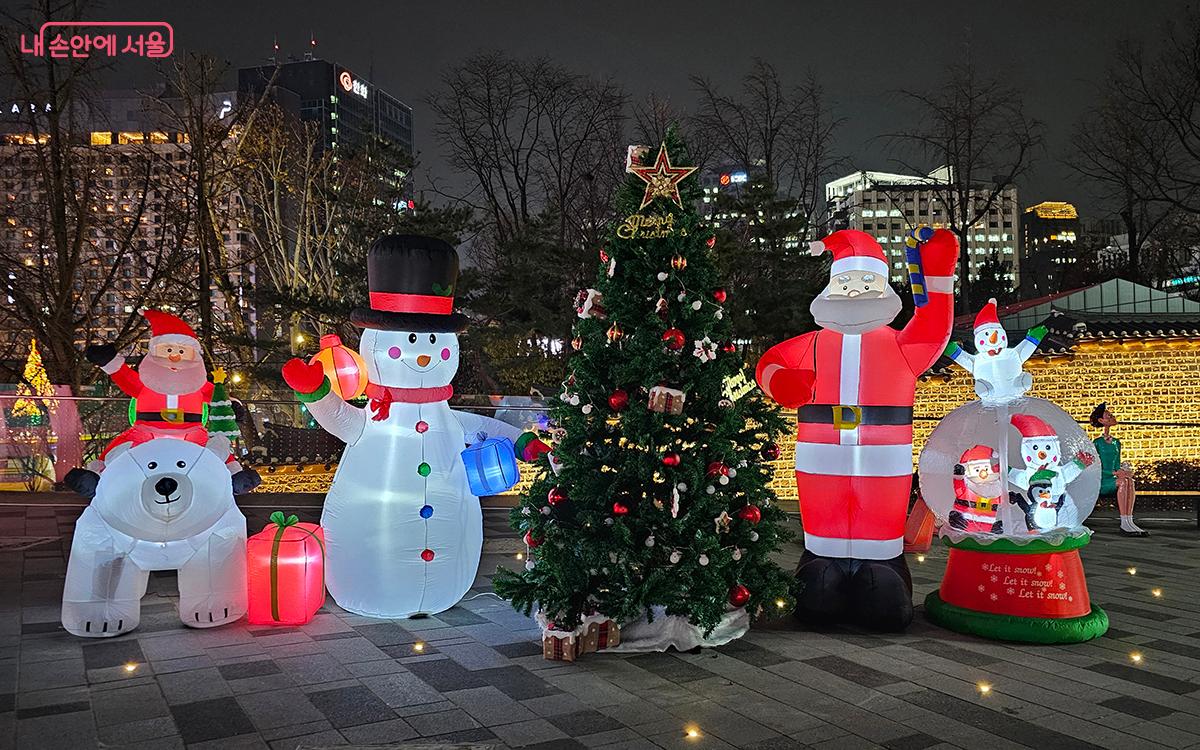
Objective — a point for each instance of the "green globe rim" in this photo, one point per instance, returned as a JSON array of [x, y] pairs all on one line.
[[1007, 546], [1013, 628]]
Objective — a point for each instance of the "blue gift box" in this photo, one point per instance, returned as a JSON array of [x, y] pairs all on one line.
[[491, 466]]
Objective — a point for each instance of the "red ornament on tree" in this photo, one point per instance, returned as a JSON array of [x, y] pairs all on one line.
[[618, 400], [717, 468], [556, 495], [620, 508], [711, 242], [771, 451], [530, 540], [739, 595], [729, 347], [603, 255], [674, 339], [750, 513], [670, 459], [719, 294]]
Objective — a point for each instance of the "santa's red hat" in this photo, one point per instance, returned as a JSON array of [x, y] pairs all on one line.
[[852, 251], [165, 328], [987, 316], [1031, 427], [978, 453]]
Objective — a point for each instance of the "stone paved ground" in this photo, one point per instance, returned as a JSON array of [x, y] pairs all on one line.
[[478, 678]]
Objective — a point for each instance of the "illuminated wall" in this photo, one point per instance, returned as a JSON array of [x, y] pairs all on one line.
[[1155, 381]]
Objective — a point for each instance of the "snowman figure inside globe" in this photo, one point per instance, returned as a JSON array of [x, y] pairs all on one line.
[[1044, 478], [997, 368], [403, 529]]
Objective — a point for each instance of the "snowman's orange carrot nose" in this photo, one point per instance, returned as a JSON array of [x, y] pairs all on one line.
[[423, 359], [992, 338]]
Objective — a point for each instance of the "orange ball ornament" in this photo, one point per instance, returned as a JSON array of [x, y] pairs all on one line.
[[345, 368]]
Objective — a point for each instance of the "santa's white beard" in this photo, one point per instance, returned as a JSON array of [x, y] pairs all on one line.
[[988, 489], [855, 315], [157, 375]]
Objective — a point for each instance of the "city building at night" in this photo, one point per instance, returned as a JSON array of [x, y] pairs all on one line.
[[888, 205], [1050, 234], [350, 110]]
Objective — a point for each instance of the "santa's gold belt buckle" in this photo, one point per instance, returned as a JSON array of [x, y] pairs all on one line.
[[174, 416], [842, 422]]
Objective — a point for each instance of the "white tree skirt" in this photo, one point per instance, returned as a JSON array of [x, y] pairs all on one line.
[[666, 631]]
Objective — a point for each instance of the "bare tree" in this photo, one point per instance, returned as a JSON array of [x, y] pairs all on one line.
[[533, 139], [972, 131], [80, 253]]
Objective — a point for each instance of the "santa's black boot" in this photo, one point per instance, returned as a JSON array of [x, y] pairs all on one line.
[[881, 595], [821, 588]]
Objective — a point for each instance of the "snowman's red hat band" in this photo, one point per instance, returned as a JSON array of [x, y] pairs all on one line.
[[428, 304]]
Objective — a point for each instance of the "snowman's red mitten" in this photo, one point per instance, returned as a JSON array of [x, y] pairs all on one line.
[[939, 254], [529, 447], [307, 380], [1085, 459]]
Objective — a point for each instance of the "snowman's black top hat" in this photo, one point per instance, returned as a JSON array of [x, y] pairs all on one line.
[[411, 279]]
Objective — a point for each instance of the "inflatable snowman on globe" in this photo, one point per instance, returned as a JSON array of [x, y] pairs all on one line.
[[403, 530], [1011, 478]]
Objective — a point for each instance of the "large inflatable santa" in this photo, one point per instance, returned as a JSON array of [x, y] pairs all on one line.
[[170, 392], [853, 383]]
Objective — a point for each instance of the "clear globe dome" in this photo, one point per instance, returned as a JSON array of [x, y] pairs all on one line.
[[961, 485]]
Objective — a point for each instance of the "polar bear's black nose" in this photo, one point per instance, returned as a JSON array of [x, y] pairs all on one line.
[[166, 486]]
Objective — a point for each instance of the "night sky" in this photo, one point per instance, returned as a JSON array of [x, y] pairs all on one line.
[[1055, 51]]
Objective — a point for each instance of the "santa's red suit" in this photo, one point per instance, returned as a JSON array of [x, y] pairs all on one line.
[[159, 414], [975, 513], [855, 395]]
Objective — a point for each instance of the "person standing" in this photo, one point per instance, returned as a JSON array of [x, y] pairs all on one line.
[[1116, 478]]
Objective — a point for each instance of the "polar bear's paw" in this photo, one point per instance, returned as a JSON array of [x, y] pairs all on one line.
[[210, 611], [98, 619]]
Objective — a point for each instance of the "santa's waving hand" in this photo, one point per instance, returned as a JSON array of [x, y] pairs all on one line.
[[853, 383], [170, 392]]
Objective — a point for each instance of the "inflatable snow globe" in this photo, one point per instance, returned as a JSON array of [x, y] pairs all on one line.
[[1011, 480]]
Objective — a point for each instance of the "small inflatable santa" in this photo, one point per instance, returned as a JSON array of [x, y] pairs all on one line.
[[170, 392], [853, 383], [977, 492]]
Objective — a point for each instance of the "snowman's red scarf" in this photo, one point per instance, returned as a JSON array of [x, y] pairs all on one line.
[[382, 396]]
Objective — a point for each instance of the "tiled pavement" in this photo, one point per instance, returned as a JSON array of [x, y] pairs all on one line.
[[474, 676]]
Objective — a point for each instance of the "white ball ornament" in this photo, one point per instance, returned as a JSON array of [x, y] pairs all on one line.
[[737, 554], [662, 275], [608, 522], [754, 536], [682, 487], [682, 296], [732, 473], [587, 409], [650, 541], [545, 510], [719, 314], [574, 400], [697, 305], [724, 479], [710, 489], [529, 565], [676, 556], [703, 560]]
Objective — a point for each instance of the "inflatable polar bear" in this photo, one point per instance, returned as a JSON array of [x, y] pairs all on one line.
[[166, 504]]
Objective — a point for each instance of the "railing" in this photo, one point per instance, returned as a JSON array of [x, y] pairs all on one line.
[[292, 454]]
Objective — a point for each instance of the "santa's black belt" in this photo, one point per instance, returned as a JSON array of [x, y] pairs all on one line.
[[168, 415], [846, 417]]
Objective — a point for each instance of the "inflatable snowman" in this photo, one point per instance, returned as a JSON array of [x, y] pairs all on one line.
[[403, 531], [998, 370]]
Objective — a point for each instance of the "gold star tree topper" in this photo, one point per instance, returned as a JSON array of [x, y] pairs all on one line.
[[662, 179]]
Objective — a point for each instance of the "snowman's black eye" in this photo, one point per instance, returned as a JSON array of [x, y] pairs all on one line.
[[432, 339], [412, 338], [181, 464], [152, 465]]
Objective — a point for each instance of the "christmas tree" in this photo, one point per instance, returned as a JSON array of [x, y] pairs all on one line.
[[663, 446], [34, 383], [221, 419]]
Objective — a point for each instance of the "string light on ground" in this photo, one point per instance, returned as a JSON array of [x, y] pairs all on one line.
[[1136, 657], [418, 647], [131, 667], [1156, 593], [692, 733], [1131, 571], [520, 555], [984, 688], [920, 558]]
